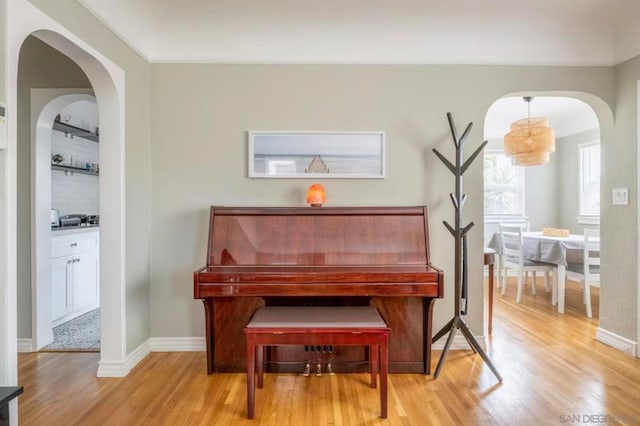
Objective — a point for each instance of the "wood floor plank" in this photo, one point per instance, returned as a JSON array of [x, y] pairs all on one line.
[[552, 365]]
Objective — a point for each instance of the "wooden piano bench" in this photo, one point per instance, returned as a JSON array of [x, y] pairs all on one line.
[[316, 325]]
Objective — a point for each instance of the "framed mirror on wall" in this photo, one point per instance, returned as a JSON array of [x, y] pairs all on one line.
[[290, 154]]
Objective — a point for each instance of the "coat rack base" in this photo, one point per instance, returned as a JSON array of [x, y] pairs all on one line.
[[458, 323]]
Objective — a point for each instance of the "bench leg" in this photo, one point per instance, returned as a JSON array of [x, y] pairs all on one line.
[[260, 365], [373, 361], [384, 366], [251, 365]]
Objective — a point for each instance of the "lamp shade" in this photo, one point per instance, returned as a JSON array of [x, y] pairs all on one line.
[[316, 195], [530, 141]]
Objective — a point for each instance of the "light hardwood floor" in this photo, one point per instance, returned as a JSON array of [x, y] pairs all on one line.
[[554, 373]]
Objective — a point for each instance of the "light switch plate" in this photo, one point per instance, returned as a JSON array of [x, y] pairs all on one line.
[[3, 126], [620, 196]]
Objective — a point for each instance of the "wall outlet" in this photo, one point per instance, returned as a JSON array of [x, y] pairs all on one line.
[[620, 196]]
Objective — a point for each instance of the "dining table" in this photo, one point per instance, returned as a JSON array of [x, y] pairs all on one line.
[[559, 251]]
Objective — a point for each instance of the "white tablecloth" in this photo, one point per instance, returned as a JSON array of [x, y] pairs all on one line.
[[559, 251]]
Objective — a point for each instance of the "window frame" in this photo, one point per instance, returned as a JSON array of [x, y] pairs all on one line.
[[587, 218], [521, 192]]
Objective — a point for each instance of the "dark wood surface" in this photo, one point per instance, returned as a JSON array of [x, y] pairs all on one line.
[[7, 393], [490, 260], [374, 338], [316, 256]]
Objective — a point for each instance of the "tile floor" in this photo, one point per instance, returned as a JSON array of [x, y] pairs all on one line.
[[79, 334]]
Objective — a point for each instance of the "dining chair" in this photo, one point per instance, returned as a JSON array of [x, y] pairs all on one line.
[[525, 226], [512, 258], [587, 272]]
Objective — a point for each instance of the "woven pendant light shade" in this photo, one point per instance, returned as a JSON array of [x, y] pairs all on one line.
[[530, 141]]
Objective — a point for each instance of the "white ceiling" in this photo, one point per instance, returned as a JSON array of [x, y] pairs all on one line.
[[566, 116], [545, 32]]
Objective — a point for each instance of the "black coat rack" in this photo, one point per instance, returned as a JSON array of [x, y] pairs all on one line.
[[459, 232]]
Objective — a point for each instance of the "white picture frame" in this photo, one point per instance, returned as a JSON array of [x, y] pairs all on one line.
[[305, 154]]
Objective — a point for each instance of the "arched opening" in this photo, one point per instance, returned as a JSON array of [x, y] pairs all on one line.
[[563, 194], [107, 80], [111, 195], [64, 191]]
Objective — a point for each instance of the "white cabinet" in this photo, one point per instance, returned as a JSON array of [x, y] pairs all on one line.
[[74, 275], [85, 281], [60, 271]]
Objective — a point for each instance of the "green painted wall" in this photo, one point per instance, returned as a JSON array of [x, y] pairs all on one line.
[[199, 153], [619, 224]]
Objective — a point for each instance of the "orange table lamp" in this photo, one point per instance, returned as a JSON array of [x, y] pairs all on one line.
[[316, 195]]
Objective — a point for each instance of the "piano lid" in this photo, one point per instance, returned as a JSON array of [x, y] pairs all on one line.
[[318, 236]]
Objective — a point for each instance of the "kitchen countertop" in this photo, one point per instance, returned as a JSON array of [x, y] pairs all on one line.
[[55, 230]]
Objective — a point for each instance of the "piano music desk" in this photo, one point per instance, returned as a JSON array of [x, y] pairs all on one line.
[[316, 325]]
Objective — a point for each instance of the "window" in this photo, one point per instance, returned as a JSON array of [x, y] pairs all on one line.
[[590, 179], [503, 186]]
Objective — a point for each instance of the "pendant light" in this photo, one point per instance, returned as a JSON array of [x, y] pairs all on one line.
[[530, 141]]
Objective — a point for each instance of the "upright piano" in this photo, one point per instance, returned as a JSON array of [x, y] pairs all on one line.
[[318, 256]]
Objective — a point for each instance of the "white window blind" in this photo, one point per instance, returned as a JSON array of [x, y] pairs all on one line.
[[503, 185], [590, 179]]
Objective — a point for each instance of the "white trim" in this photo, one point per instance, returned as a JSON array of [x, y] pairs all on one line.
[[74, 315], [637, 209], [521, 192], [620, 343], [118, 34], [297, 61], [588, 220], [178, 344], [581, 148], [108, 81], [497, 218], [122, 368], [25, 345], [198, 344], [153, 344], [459, 343]]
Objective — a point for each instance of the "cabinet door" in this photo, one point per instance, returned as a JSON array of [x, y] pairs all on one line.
[[60, 275], [85, 280]]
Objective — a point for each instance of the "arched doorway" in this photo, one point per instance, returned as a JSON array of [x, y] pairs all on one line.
[[45, 105], [547, 195], [107, 80]]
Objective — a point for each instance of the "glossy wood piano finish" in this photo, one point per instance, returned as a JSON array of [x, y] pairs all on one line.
[[340, 255]]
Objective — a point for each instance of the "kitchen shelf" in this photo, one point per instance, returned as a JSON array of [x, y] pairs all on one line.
[[74, 169], [75, 131]]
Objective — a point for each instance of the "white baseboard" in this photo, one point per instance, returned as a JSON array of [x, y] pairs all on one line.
[[122, 368], [198, 344], [153, 344], [25, 345], [620, 343], [74, 315], [459, 343], [178, 344]]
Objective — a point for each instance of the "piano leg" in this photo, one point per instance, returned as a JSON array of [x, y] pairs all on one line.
[[210, 330], [427, 310]]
